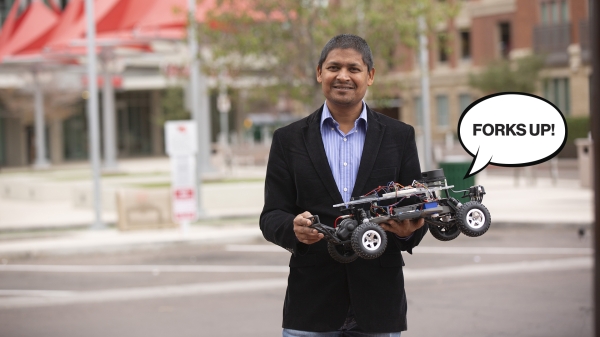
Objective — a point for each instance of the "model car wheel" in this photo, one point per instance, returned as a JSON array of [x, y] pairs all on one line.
[[443, 233], [369, 240], [473, 219], [341, 253]]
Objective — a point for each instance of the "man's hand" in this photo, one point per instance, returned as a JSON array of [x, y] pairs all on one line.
[[303, 232], [403, 228]]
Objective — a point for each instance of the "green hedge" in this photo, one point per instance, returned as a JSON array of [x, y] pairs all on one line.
[[578, 127]]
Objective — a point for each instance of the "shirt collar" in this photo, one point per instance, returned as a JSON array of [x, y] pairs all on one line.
[[327, 115]]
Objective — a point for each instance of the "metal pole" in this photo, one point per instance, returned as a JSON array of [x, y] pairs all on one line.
[[205, 125], [224, 105], [595, 127], [92, 110], [224, 122], [424, 62], [108, 113], [194, 99], [41, 160]]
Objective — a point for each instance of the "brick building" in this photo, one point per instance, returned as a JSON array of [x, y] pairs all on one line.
[[488, 30]]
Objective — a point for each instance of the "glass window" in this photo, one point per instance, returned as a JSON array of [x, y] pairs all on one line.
[[134, 123], [465, 45], [557, 91], [75, 134], [442, 48], [505, 41], [554, 7], [443, 110], [565, 11], [463, 102], [544, 12]]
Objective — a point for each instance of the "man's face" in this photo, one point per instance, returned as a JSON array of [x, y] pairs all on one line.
[[344, 77]]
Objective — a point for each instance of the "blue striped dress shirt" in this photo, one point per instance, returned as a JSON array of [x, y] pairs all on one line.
[[343, 150]]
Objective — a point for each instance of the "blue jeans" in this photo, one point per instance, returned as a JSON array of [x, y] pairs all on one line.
[[345, 333]]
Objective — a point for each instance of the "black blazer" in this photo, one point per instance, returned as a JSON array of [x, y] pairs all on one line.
[[320, 290]]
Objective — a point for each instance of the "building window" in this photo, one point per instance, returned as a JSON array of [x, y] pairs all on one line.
[[557, 91], [419, 110], [75, 134], [554, 12], [564, 13], [463, 102], [465, 45], [443, 110], [504, 41], [544, 13], [442, 48]]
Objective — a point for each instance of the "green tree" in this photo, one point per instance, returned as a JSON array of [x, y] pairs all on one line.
[[505, 75], [280, 40], [173, 106]]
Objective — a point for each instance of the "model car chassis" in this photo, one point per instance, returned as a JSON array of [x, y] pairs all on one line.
[[357, 232]]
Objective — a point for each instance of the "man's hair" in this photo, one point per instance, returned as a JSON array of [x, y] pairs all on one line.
[[348, 41]]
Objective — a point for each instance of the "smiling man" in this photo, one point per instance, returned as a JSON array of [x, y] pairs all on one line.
[[342, 150]]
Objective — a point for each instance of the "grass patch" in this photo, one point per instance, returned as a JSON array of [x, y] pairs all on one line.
[[107, 175], [234, 181], [219, 181], [152, 185]]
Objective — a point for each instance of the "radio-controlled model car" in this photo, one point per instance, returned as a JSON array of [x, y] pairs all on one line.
[[357, 232]]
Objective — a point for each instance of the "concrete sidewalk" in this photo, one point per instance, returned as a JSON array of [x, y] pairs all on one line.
[[46, 226], [112, 240], [63, 197]]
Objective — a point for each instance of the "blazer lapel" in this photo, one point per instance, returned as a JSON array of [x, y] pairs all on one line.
[[316, 152], [375, 131]]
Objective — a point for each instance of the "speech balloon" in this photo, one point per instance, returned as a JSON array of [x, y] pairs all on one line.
[[511, 129]]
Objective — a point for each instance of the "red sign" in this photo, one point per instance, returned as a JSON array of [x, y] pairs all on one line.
[[117, 81], [184, 193], [184, 204]]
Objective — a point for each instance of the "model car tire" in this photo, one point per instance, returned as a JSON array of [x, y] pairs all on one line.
[[473, 218], [369, 240], [340, 253], [443, 233]]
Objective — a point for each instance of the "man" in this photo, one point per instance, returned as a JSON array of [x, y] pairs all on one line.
[[342, 150]]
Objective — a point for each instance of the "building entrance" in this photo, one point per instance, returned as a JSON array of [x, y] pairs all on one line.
[[134, 124]]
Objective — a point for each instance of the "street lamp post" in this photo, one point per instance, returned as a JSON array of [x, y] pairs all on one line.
[[41, 161], [199, 113], [108, 113], [224, 106], [424, 63], [92, 110]]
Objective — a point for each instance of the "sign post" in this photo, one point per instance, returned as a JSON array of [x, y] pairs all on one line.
[[182, 146]]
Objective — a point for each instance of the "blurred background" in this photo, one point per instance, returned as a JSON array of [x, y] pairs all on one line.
[[137, 272]]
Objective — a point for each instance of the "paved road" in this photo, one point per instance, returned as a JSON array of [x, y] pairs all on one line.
[[513, 281]]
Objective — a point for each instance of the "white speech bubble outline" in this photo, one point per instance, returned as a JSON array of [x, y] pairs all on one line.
[[518, 111], [482, 160]]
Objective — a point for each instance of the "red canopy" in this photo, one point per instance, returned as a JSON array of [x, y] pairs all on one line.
[[32, 25], [78, 27], [9, 24], [129, 23], [112, 17], [124, 15]]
